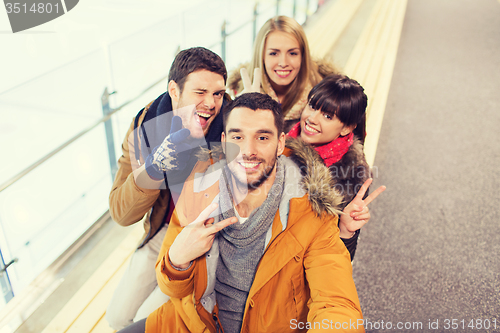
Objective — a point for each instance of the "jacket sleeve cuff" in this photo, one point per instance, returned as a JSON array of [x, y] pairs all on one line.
[[179, 269], [152, 169], [351, 243], [353, 239], [175, 273]]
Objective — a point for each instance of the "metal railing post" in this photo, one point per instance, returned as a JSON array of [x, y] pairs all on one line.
[[255, 14], [108, 112], [5, 284], [277, 7], [295, 9], [108, 126], [223, 42]]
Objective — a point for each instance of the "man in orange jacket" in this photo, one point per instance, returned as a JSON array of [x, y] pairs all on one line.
[[245, 251]]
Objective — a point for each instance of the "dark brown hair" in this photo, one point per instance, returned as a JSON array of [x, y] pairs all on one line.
[[194, 59], [255, 101], [343, 97]]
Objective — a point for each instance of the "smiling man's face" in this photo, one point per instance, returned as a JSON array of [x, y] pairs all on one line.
[[204, 91], [252, 146]]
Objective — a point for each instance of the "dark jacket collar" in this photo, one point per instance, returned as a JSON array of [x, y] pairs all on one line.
[[161, 106]]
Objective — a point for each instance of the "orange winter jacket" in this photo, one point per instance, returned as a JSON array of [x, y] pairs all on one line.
[[302, 283]]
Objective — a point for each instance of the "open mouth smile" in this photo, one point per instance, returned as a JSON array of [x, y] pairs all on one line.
[[202, 117], [310, 130], [249, 165], [283, 74]]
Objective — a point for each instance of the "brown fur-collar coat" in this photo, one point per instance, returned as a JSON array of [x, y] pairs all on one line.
[[341, 180], [329, 189], [346, 176]]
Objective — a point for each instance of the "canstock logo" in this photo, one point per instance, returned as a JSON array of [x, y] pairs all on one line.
[[26, 14]]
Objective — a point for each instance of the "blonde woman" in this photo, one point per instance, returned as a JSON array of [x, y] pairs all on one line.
[[281, 56]]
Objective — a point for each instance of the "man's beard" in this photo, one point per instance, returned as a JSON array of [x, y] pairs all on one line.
[[257, 183], [265, 175]]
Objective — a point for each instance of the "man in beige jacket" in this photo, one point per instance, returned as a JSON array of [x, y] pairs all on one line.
[[157, 152]]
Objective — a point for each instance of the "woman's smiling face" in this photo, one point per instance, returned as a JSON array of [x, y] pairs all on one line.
[[282, 59], [318, 128]]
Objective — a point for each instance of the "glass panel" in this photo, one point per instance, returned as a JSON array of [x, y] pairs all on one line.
[[46, 211], [42, 114], [203, 27]]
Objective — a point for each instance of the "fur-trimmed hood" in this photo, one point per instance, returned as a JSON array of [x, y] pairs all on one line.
[[216, 153], [340, 182], [316, 179]]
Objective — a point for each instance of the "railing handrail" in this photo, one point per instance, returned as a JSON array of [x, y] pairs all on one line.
[[36, 164], [71, 62], [230, 33], [39, 162], [253, 19], [97, 49], [33, 166]]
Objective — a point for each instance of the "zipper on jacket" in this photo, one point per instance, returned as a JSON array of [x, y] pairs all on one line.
[[217, 326]]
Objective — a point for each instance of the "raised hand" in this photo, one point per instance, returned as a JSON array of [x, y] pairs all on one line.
[[172, 154], [245, 78], [356, 213], [196, 238]]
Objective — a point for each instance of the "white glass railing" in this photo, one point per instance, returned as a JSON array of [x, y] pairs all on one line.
[[56, 176]]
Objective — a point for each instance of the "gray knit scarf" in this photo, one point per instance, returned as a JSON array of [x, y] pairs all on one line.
[[240, 248]]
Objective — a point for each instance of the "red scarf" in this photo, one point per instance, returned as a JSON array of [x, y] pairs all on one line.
[[331, 152]]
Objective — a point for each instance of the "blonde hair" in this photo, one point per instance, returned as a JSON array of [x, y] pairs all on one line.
[[308, 71]]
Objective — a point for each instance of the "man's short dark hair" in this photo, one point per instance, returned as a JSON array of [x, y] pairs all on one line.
[[192, 60], [255, 101]]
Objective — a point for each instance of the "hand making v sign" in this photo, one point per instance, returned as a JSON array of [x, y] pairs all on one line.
[[196, 238], [356, 213]]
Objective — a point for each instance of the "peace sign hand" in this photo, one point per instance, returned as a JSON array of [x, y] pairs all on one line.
[[356, 214], [247, 86], [196, 238]]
